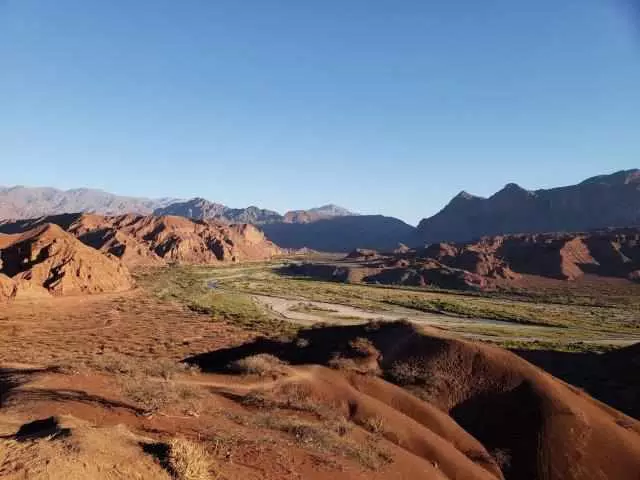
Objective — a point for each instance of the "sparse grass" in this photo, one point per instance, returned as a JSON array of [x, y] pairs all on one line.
[[405, 373], [115, 364], [119, 364], [327, 437], [188, 285], [307, 307], [189, 461], [155, 395], [558, 346], [562, 316], [520, 314], [148, 384]]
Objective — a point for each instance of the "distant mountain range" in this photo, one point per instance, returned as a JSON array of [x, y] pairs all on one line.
[[598, 202], [202, 209], [32, 202]]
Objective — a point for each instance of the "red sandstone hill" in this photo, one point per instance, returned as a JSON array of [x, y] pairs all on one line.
[[47, 260], [149, 240], [460, 409]]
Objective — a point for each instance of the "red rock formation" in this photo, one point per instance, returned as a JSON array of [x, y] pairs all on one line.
[[47, 260]]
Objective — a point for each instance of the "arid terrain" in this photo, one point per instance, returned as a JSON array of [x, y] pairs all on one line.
[[524, 262], [236, 371], [164, 347]]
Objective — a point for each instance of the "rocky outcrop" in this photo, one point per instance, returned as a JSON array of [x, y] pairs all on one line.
[[8, 288], [149, 240], [492, 262], [201, 209], [46, 260]]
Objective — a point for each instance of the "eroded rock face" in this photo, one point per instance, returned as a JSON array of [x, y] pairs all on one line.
[[148, 240], [7, 288], [494, 262], [46, 260]]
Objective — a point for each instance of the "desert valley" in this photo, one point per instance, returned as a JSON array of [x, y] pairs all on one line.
[[158, 339]]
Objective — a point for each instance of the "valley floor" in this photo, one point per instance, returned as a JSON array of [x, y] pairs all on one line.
[[110, 369]]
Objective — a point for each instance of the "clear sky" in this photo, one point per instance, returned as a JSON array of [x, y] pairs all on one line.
[[382, 106]]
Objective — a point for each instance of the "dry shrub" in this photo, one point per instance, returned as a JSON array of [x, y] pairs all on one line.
[[148, 395], [153, 395], [189, 461], [405, 373], [327, 437], [362, 347], [71, 367], [167, 368], [261, 364], [115, 363], [126, 365], [338, 362], [301, 397], [374, 424]]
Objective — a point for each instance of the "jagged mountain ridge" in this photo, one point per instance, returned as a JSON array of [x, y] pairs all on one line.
[[597, 202], [202, 209]]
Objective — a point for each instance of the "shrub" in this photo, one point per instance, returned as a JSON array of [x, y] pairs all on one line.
[[189, 461], [261, 364]]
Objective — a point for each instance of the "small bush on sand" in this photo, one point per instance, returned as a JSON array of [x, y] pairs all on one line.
[[362, 347], [338, 362], [374, 424], [189, 461], [114, 363], [167, 368], [328, 437], [154, 395], [261, 364], [405, 373]]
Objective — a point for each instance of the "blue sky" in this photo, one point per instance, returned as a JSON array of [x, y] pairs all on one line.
[[378, 105]]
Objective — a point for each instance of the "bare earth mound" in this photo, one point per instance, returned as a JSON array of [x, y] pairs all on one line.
[[149, 240], [47, 260], [70, 449], [467, 410]]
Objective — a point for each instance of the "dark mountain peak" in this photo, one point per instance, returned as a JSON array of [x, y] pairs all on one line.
[[512, 190], [622, 177], [463, 199], [464, 195], [512, 186], [603, 201]]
